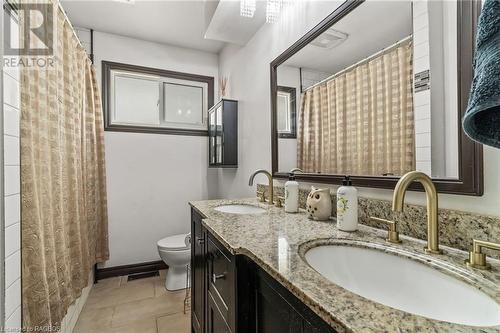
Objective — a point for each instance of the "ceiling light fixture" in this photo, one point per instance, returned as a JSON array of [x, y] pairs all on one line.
[[247, 8], [330, 39], [273, 9]]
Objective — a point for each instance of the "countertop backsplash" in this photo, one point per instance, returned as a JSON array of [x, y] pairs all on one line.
[[456, 228]]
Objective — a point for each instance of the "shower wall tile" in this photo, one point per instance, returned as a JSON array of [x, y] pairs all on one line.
[[12, 200], [12, 268], [13, 297], [12, 177], [14, 320], [422, 99], [11, 150], [11, 91], [12, 209], [12, 239], [11, 121]]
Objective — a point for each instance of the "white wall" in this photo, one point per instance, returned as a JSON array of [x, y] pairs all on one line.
[[151, 177], [248, 71], [12, 180]]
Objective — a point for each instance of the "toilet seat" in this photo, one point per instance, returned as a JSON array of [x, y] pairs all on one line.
[[173, 243]]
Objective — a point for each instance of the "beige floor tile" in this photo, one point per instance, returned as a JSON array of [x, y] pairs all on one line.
[[160, 289], [116, 305], [151, 307], [108, 284], [129, 292], [175, 323], [146, 325], [93, 320]]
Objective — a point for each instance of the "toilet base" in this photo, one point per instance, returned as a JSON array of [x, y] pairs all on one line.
[[176, 278]]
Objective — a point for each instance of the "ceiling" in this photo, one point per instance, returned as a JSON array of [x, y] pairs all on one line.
[[371, 27], [180, 23], [229, 26]]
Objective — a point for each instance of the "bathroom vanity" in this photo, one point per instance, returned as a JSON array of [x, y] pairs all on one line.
[[231, 293], [253, 272]]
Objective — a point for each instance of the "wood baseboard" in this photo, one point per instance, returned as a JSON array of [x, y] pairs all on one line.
[[107, 272]]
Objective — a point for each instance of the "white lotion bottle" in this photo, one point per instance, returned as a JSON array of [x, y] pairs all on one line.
[[347, 206], [291, 195]]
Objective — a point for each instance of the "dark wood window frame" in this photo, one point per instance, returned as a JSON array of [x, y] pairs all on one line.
[[470, 179], [293, 113], [108, 66]]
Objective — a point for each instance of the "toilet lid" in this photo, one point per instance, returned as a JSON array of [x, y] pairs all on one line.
[[173, 242]]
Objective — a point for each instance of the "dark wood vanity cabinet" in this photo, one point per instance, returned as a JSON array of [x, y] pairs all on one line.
[[277, 310], [232, 294], [223, 134], [198, 239]]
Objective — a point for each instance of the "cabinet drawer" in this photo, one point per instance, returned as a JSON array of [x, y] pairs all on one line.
[[221, 278]]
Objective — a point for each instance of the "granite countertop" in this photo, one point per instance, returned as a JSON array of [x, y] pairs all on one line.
[[277, 241]]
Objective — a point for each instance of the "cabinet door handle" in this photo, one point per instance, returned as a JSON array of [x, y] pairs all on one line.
[[200, 240], [216, 277]]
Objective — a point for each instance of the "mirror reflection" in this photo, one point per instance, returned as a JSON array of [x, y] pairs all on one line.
[[365, 103]]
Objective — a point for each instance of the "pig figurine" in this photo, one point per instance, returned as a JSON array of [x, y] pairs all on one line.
[[319, 204]]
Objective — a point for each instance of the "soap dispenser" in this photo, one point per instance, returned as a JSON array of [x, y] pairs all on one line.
[[291, 195], [347, 206]]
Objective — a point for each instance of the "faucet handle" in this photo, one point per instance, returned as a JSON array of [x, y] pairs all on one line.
[[392, 233], [477, 259], [261, 195]]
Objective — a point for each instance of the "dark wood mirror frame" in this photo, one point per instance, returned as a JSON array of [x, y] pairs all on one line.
[[470, 180]]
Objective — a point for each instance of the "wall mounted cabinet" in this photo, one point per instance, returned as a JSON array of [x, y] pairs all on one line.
[[223, 134]]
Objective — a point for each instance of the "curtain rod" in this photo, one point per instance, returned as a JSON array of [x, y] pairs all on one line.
[[390, 47], [66, 18]]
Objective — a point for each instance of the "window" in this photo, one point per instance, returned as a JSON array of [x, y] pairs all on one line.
[[286, 112], [139, 99]]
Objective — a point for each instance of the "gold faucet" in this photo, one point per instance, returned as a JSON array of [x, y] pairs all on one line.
[[477, 259], [270, 179], [432, 205]]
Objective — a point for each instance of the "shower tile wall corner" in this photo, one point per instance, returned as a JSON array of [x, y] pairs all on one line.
[[12, 200]]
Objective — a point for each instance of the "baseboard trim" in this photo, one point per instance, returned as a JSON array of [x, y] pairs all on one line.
[[107, 272]]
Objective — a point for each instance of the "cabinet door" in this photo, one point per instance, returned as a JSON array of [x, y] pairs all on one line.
[[211, 137], [197, 273], [215, 320], [278, 311], [219, 135], [274, 313]]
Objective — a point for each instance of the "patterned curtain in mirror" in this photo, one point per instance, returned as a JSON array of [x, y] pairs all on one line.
[[360, 121]]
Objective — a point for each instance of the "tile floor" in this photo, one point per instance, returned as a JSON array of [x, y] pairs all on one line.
[[140, 306]]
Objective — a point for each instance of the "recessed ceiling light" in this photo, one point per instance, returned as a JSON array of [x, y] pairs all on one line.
[[247, 8], [273, 9]]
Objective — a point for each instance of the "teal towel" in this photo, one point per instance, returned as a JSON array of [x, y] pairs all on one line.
[[481, 121]]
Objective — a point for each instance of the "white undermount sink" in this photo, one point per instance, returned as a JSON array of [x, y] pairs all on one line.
[[404, 284], [240, 209]]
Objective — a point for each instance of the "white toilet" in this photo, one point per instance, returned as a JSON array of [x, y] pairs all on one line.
[[175, 251]]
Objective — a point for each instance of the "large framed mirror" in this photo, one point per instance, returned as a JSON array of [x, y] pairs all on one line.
[[381, 88]]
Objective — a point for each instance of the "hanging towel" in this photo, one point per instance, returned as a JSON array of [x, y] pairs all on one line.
[[482, 117]]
